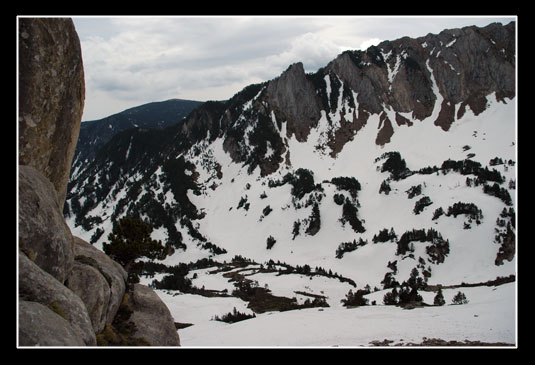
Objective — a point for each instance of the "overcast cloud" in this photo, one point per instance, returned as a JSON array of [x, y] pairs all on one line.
[[129, 61]]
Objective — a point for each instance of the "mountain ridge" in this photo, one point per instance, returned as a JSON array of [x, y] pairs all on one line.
[[370, 87], [155, 115]]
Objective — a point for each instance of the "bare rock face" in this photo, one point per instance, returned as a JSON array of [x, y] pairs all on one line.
[[41, 326], [43, 233], [152, 318], [99, 281], [294, 95], [463, 65], [35, 285], [89, 284], [51, 97]]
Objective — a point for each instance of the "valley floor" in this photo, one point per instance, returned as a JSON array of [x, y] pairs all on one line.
[[488, 318]]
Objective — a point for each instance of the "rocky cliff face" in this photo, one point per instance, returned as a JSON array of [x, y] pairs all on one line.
[[51, 97], [294, 95], [456, 67], [401, 80], [69, 291]]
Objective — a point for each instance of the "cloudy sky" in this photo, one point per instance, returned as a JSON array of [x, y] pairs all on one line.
[[129, 61]]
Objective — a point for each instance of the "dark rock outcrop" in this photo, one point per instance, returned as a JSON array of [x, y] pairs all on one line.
[[51, 97], [453, 70]]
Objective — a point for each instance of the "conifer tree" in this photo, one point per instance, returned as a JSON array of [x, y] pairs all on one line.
[[459, 298], [439, 298], [129, 241]]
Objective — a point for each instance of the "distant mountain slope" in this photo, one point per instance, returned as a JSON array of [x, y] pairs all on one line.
[[157, 115]]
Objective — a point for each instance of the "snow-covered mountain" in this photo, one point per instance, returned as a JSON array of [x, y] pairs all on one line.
[[388, 171]]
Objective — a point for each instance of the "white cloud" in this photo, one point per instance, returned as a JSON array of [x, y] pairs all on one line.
[[310, 48], [368, 43], [133, 60]]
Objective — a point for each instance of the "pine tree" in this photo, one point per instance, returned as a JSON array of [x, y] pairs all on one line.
[[315, 221], [355, 299], [391, 298], [385, 188], [129, 241], [270, 242], [459, 298], [439, 298]]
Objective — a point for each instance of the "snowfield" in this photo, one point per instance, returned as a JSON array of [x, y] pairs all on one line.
[[489, 316]]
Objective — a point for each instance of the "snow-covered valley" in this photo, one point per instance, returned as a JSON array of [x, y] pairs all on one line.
[[489, 317]]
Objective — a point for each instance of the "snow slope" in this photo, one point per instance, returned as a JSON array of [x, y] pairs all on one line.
[[490, 315]]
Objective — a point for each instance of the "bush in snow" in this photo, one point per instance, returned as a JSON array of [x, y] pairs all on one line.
[[314, 221], [395, 165], [349, 246], [234, 316], [270, 242], [385, 188], [409, 295], [421, 204], [355, 299], [469, 209], [339, 199], [296, 228], [437, 213], [459, 298], [499, 192], [391, 298], [389, 281], [420, 235], [266, 211], [243, 203], [385, 235], [349, 184], [350, 215], [302, 182], [414, 191]]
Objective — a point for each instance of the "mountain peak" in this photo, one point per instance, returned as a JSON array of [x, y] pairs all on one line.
[[293, 95]]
